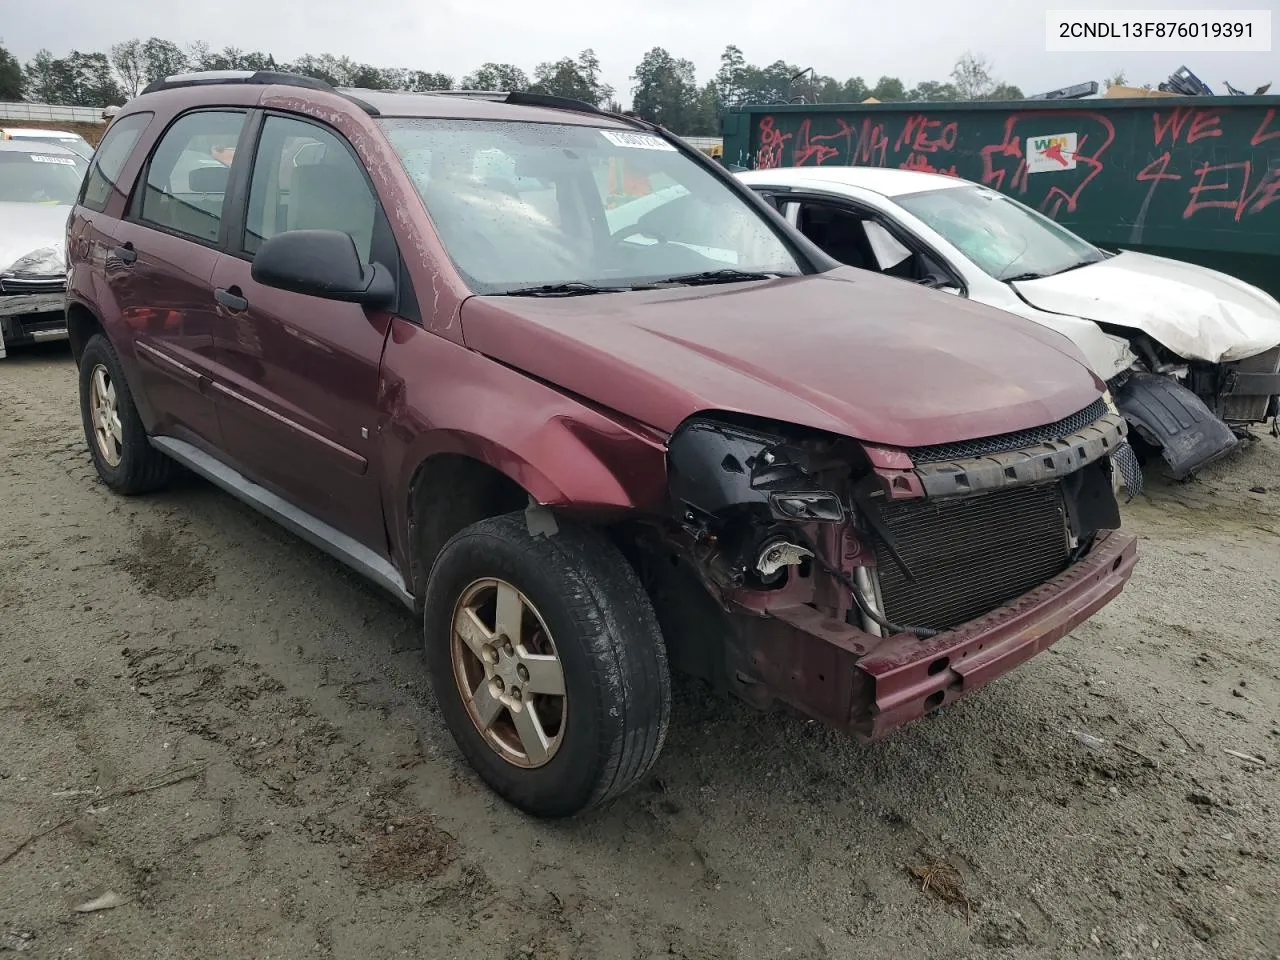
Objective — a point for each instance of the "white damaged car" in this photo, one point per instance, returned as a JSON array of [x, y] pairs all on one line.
[[1191, 355], [38, 185]]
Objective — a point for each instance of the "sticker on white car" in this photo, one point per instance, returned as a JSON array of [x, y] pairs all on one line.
[[39, 158]]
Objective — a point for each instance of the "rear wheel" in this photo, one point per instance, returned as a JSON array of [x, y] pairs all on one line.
[[122, 454], [547, 663]]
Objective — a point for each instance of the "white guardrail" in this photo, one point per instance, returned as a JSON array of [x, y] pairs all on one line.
[[49, 113]]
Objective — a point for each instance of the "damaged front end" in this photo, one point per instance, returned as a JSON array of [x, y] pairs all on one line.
[[1196, 412], [868, 585]]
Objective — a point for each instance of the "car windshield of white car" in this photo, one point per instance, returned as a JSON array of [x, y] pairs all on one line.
[[545, 209], [1006, 239], [39, 177]]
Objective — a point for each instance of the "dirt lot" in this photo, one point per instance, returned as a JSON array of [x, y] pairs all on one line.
[[218, 725]]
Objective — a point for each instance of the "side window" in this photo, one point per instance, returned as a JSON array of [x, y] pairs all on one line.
[[838, 232], [305, 178], [186, 183], [110, 158]]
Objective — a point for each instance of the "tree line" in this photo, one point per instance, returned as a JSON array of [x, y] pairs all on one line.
[[664, 88]]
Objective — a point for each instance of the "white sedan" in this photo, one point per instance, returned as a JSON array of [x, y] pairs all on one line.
[[38, 185], [1192, 355]]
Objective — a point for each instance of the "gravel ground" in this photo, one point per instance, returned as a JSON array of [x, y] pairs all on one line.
[[215, 728]]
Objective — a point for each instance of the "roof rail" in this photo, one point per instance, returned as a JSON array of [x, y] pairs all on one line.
[[469, 94], [263, 77], [256, 77], [524, 98]]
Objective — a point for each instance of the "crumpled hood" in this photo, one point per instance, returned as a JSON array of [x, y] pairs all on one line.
[[847, 351], [1198, 313], [25, 227]]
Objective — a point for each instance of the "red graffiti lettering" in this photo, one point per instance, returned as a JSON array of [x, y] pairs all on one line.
[[1011, 147], [1246, 201], [816, 147], [1150, 173], [772, 144], [1155, 171], [1266, 193], [873, 145], [918, 161], [1171, 123], [908, 130], [1203, 172], [916, 133], [1203, 124], [1259, 137]]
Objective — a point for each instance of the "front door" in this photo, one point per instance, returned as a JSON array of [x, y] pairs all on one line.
[[298, 379], [160, 266]]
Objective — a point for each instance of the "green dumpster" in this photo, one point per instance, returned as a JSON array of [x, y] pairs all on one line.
[[1193, 178]]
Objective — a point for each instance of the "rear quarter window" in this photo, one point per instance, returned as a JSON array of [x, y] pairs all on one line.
[[110, 158]]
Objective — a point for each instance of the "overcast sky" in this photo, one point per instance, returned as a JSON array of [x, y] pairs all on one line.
[[914, 40]]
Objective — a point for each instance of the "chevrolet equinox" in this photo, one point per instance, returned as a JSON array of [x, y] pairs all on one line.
[[589, 428]]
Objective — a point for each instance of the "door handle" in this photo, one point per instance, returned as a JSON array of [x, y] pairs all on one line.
[[125, 252], [230, 298]]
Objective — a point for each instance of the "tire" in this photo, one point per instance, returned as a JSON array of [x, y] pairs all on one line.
[[138, 467], [617, 688]]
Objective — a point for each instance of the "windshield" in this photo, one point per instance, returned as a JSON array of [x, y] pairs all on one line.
[[520, 205], [1003, 237], [39, 177]]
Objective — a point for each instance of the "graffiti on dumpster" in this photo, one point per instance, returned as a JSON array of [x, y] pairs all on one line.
[[1004, 164], [1055, 160], [1265, 131], [869, 143], [1240, 182]]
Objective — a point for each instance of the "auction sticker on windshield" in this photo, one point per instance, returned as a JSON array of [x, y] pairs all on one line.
[[1052, 153], [638, 141], [38, 158]]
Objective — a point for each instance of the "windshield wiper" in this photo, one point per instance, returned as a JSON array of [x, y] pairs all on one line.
[[1081, 263], [727, 275], [573, 289], [1033, 275]]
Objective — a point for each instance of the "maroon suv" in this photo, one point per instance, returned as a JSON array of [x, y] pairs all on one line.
[[588, 435]]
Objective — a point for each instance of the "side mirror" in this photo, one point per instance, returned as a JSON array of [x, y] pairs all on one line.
[[322, 263]]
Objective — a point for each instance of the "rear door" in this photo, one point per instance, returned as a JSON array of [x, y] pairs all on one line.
[[161, 263], [298, 379]]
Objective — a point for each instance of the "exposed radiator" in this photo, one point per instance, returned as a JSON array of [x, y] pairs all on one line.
[[969, 555]]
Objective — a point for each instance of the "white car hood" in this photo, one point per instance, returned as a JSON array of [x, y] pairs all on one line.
[[26, 227], [1199, 314]]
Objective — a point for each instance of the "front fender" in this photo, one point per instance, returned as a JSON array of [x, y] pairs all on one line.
[[441, 398]]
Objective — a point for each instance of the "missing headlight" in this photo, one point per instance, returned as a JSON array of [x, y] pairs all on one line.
[[747, 494], [717, 468]]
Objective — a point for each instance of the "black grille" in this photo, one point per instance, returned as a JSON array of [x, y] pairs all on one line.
[[970, 555], [34, 285], [1005, 442]]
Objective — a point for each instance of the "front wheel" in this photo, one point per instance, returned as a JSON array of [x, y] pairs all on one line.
[[547, 663]]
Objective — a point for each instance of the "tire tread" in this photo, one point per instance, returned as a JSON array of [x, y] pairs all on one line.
[[627, 655]]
